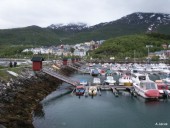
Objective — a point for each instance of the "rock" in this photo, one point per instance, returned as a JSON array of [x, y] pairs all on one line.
[[1, 126]]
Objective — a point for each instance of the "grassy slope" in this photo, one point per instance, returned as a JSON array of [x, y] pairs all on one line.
[[124, 46]]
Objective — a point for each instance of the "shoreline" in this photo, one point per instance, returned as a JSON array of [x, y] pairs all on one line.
[[23, 97]]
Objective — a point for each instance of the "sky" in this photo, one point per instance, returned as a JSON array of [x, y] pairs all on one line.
[[22, 13]]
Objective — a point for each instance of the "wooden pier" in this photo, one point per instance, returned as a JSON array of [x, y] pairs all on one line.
[[59, 76], [116, 89]]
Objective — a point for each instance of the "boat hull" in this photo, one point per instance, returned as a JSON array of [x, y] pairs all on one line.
[[147, 94]]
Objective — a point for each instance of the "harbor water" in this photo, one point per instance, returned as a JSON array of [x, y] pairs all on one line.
[[105, 111]]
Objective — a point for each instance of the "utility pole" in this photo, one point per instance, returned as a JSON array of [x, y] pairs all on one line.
[[134, 56], [149, 46]]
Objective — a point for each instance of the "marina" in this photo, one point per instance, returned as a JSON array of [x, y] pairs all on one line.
[[111, 85], [133, 78], [105, 110]]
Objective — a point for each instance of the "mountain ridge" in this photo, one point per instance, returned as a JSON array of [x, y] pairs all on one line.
[[135, 23]]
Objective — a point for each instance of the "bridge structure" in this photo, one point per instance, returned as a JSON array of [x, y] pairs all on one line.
[[76, 68], [60, 76]]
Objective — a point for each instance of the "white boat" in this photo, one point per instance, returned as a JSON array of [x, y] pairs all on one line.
[[122, 69], [147, 89], [166, 79], [155, 69], [83, 82], [164, 70], [125, 80], [110, 80], [96, 80], [139, 69], [138, 77], [92, 90]]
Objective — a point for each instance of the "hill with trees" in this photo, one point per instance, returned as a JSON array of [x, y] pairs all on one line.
[[135, 23], [131, 46]]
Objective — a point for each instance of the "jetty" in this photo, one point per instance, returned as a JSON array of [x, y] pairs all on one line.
[[116, 89], [60, 76]]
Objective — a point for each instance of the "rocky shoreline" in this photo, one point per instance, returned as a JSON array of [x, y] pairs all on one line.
[[22, 96]]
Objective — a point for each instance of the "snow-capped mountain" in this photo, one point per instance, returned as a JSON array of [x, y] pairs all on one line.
[[135, 23], [69, 27], [151, 20]]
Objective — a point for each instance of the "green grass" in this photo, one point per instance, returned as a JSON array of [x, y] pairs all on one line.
[[125, 46]]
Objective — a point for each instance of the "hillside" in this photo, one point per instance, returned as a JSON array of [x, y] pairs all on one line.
[[125, 46], [135, 23]]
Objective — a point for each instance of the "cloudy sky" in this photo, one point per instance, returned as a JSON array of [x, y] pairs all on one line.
[[22, 13]]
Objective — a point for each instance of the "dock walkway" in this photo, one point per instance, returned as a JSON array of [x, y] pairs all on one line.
[[59, 76], [76, 68]]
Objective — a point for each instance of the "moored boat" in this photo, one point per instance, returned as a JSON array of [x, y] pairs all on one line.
[[163, 89], [125, 80], [83, 82], [110, 80], [102, 72], [138, 77], [94, 72], [96, 81], [92, 90], [80, 90], [147, 89]]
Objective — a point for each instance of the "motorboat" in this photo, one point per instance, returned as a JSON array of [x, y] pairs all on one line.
[[164, 70], [80, 90], [96, 81], [83, 82], [139, 69], [166, 79], [109, 72], [102, 72], [110, 80], [138, 77], [155, 69], [94, 72], [125, 80], [147, 89], [123, 69], [92, 90], [163, 88]]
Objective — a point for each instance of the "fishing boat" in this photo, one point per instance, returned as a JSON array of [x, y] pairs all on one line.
[[147, 89], [110, 80], [92, 90], [125, 80], [80, 90], [163, 89]]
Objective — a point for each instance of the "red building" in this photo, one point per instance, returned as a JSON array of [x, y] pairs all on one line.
[[37, 63], [65, 61]]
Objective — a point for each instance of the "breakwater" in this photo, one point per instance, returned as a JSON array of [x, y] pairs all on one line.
[[22, 97]]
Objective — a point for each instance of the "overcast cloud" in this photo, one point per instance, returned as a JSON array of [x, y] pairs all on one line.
[[22, 13]]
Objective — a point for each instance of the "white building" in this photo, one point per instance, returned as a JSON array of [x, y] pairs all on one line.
[[79, 52]]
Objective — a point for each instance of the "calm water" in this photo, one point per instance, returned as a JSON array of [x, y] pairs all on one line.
[[106, 111]]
